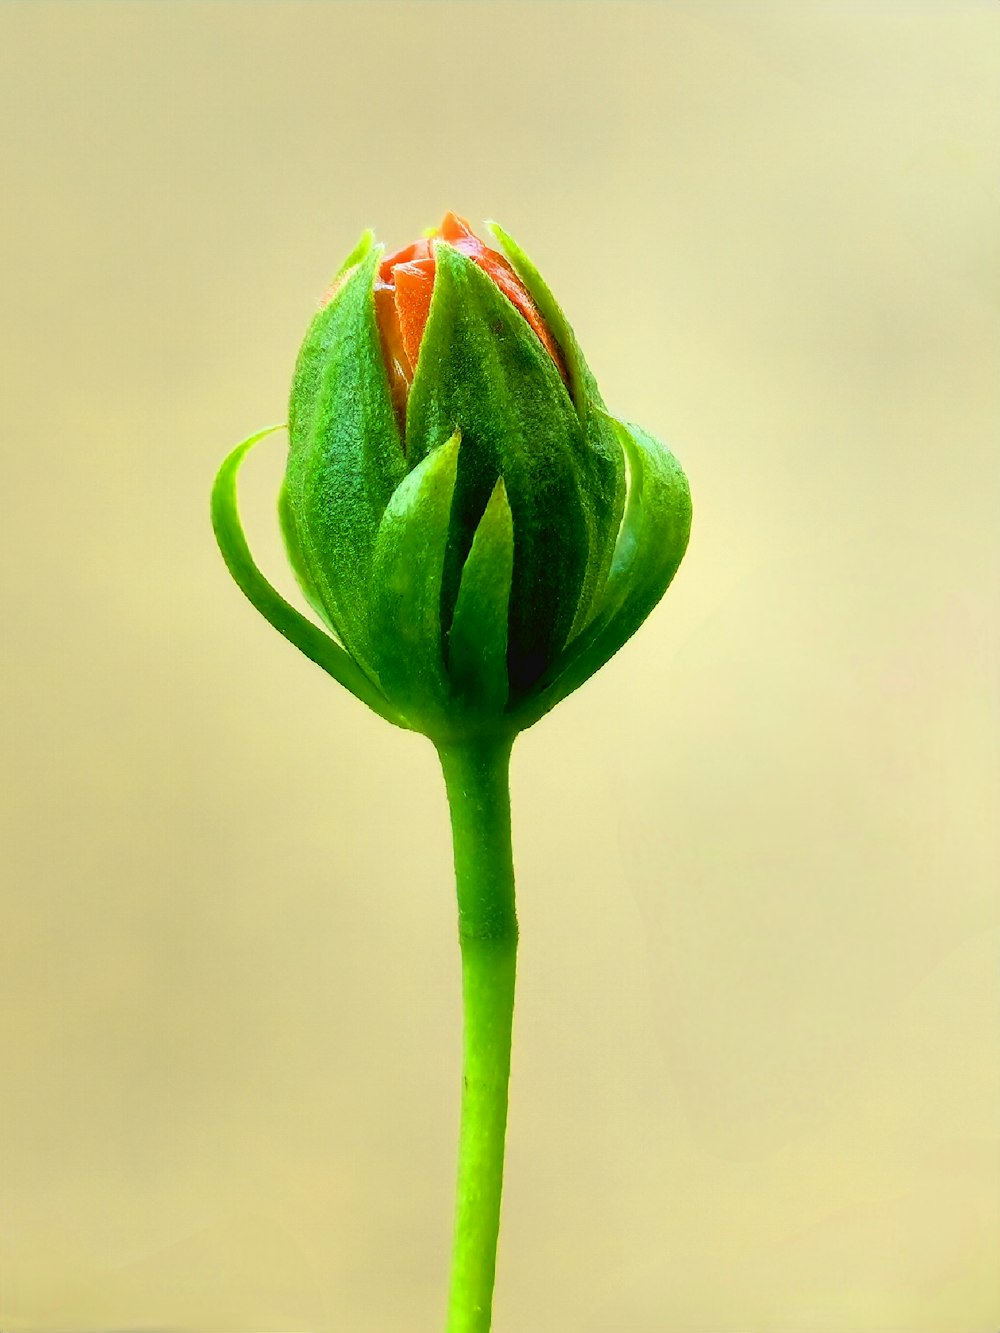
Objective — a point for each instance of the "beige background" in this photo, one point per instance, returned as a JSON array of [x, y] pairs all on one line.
[[756, 1082]]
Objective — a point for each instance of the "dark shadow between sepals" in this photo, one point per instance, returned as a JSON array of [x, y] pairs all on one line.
[[650, 546]]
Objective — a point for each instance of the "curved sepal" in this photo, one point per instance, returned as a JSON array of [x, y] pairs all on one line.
[[477, 642], [406, 585], [603, 470], [306, 636], [652, 541]]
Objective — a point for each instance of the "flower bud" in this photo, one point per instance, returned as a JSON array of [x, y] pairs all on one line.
[[455, 504], [403, 290]]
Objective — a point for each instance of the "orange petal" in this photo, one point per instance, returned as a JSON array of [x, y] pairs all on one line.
[[396, 364], [388, 324], [407, 280], [453, 228], [415, 251], [414, 288]]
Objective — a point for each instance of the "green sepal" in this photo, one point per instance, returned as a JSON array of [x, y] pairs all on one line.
[[360, 251], [603, 469], [477, 642], [406, 586], [345, 454], [655, 529], [296, 628], [652, 541], [483, 369], [601, 458], [582, 384]]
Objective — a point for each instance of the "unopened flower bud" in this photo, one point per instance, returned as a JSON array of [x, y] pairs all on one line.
[[455, 505]]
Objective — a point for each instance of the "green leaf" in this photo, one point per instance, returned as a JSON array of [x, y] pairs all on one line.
[[409, 557], [651, 544], [345, 454], [477, 643], [306, 636]]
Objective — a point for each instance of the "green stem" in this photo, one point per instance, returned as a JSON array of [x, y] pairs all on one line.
[[476, 777]]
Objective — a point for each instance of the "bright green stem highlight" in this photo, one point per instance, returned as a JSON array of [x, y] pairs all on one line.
[[476, 777]]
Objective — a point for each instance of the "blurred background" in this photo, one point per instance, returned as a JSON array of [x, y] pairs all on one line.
[[755, 1084]]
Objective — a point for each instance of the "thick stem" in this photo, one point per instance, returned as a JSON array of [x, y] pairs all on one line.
[[476, 777]]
